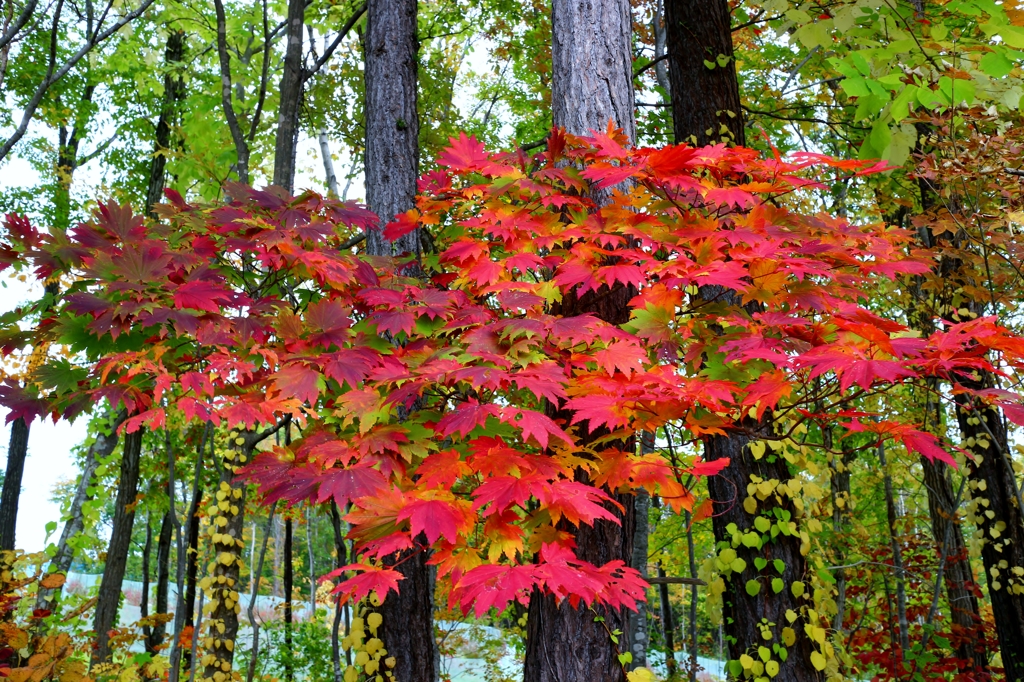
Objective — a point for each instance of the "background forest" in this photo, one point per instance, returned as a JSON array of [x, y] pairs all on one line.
[[686, 345]]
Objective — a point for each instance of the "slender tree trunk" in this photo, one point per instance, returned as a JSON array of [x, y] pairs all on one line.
[[692, 621], [968, 636], [120, 543], [226, 533], [592, 85], [174, 93], [187, 562], [289, 586], [668, 632], [191, 572], [839, 480], [276, 589], [392, 167], [147, 550], [661, 47], [639, 636], [325, 155], [163, 560], [61, 562], [287, 136], [340, 560], [705, 101], [897, 555], [17, 452]]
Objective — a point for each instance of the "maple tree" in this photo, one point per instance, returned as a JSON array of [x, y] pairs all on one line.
[[246, 314]]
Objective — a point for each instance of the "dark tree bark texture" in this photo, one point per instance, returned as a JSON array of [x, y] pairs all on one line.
[[120, 543], [705, 100], [17, 451], [392, 124], [702, 98], [592, 66], [392, 168], [174, 93], [163, 559], [994, 489], [291, 97], [592, 85]]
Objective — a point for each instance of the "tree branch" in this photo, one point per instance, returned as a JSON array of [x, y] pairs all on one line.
[[329, 52]]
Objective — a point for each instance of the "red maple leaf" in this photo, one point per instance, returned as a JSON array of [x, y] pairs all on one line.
[[434, 518], [376, 579], [296, 380]]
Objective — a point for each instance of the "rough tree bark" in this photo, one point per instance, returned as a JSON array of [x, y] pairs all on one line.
[[228, 512], [392, 122], [943, 507], [702, 98], [993, 488], [289, 586], [592, 84], [120, 542], [705, 102], [287, 135], [163, 558], [392, 167], [174, 93], [17, 451]]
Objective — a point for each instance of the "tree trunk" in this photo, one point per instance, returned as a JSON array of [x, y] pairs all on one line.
[[705, 100], [147, 550], [163, 559], [392, 167], [174, 93], [287, 136], [702, 98], [120, 543], [968, 635], [392, 122], [61, 562], [17, 451], [226, 533], [330, 176], [276, 589], [592, 85], [638, 636], [993, 490], [340, 560], [592, 66], [289, 585], [668, 632], [897, 555], [742, 612]]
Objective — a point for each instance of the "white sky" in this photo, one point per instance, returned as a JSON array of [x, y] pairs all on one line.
[[49, 448]]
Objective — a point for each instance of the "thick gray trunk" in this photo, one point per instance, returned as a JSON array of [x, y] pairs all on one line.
[[392, 167], [120, 542], [592, 85], [592, 66], [291, 96], [392, 123]]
